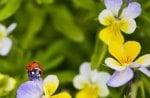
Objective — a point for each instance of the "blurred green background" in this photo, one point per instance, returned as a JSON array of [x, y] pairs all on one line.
[[61, 34]]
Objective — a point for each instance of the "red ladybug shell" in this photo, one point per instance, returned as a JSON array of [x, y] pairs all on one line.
[[33, 65]]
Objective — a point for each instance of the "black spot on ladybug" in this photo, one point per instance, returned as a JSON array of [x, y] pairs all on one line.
[[34, 70]]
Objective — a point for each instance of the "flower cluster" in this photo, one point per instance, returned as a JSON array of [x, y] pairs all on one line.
[[118, 19], [93, 83], [7, 84]]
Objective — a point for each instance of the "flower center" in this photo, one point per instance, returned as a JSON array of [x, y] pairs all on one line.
[[2, 35], [88, 92], [115, 27], [125, 61]]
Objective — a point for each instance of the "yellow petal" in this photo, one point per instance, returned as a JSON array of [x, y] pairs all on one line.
[[116, 50], [61, 95], [7, 83], [10, 84], [111, 33], [132, 49], [106, 17], [87, 93], [50, 85], [144, 60], [127, 25], [125, 53]]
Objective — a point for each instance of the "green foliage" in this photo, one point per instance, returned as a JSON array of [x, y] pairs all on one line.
[[61, 34], [64, 23], [9, 9], [99, 54]]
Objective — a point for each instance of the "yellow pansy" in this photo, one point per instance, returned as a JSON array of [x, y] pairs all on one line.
[[7, 84], [116, 22], [125, 55], [39, 88], [92, 84], [50, 84]]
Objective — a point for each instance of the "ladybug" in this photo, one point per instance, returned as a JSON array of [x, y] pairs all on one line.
[[34, 70]]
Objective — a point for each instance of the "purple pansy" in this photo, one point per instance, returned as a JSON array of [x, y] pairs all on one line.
[[39, 88]]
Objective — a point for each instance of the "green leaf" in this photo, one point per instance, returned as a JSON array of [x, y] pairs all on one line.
[[64, 23], [3, 2], [99, 54], [51, 51], [53, 62], [9, 9], [52, 56], [45, 1], [65, 76], [134, 89], [36, 21], [86, 4]]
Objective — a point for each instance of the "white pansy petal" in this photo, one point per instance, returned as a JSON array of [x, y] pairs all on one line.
[[29, 89], [50, 84], [145, 71], [144, 60], [134, 65], [133, 10], [127, 25], [5, 46], [110, 62], [3, 29], [100, 77], [106, 17], [113, 5], [80, 81], [120, 78], [85, 68], [103, 92], [11, 28]]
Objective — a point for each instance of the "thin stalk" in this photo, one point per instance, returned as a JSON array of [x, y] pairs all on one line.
[[128, 90], [99, 54], [142, 90], [134, 89]]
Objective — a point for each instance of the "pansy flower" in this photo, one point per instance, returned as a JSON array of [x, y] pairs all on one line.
[[91, 83], [39, 88], [7, 84], [116, 21], [5, 42], [124, 62]]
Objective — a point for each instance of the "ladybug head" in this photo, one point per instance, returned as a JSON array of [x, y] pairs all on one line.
[[34, 70]]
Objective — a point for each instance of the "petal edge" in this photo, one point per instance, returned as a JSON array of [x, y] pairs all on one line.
[[120, 78]]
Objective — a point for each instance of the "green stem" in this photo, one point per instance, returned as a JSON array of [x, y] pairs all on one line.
[[128, 90], [99, 54], [134, 89], [142, 90], [102, 55], [132, 92]]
